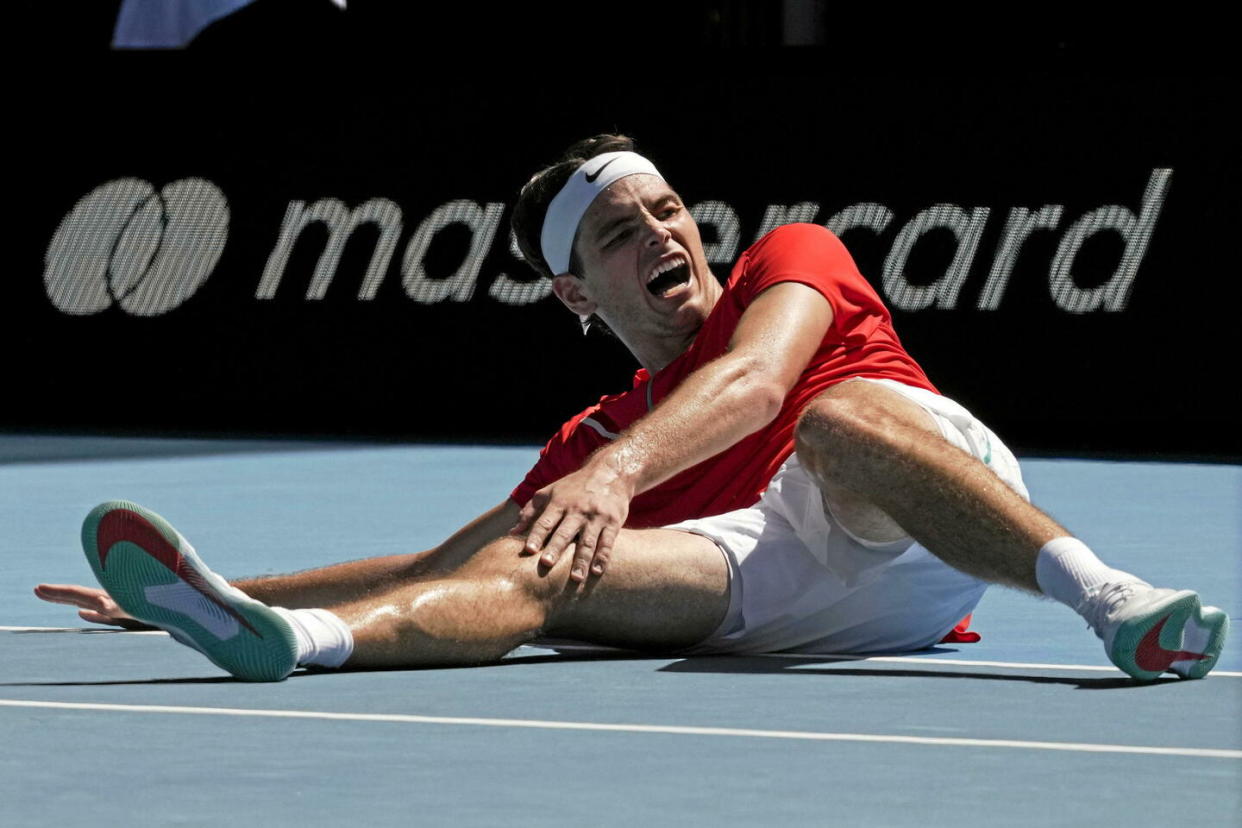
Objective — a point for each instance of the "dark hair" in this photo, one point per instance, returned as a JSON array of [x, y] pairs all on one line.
[[533, 201]]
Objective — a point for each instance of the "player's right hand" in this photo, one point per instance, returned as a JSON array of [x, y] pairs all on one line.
[[94, 605], [586, 509]]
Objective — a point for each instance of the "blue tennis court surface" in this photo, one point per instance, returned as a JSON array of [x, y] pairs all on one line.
[[1028, 727]]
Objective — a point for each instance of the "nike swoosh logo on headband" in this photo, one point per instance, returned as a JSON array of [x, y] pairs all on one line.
[[590, 178]]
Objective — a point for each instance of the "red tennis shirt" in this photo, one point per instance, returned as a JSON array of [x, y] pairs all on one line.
[[860, 343]]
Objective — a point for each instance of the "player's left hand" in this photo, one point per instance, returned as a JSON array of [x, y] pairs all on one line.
[[94, 604], [588, 508]]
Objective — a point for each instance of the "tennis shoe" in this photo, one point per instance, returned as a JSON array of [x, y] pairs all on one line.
[[156, 576], [1148, 631]]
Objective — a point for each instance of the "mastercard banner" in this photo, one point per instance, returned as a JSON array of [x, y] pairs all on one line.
[[250, 255]]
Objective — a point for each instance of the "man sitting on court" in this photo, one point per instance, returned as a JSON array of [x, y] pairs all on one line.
[[814, 491]]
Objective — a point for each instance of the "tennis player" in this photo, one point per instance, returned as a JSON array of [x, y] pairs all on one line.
[[783, 476]]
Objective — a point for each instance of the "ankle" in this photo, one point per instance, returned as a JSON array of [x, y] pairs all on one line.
[[324, 640], [1068, 571]]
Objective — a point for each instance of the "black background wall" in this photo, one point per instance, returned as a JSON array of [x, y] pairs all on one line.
[[183, 259]]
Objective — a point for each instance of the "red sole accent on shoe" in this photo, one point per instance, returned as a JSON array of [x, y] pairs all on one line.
[[1151, 656], [125, 525]]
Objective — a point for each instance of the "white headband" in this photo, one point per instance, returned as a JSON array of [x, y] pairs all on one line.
[[560, 224]]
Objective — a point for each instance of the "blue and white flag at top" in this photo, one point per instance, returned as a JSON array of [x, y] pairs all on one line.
[[171, 24]]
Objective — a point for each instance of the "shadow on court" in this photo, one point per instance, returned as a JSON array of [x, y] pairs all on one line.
[[799, 667], [721, 665]]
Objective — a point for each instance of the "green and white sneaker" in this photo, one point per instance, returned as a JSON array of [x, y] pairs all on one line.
[[1148, 631], [154, 574]]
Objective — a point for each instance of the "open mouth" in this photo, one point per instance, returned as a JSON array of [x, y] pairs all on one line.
[[668, 276]]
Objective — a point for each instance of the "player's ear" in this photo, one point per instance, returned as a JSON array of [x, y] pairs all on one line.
[[573, 294]]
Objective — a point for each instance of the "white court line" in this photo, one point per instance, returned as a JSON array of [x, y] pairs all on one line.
[[587, 648], [1019, 665], [100, 629], [1081, 747], [921, 660]]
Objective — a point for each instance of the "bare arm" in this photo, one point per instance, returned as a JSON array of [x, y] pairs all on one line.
[[317, 587], [716, 406]]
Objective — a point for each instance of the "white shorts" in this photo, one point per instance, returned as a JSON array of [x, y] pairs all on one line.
[[800, 583]]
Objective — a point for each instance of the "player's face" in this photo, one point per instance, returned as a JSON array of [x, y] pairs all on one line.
[[643, 265]]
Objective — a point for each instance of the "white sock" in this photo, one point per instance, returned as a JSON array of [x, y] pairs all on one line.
[[324, 640], [1069, 571]]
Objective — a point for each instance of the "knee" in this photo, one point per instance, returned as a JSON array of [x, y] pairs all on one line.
[[835, 430], [512, 570]]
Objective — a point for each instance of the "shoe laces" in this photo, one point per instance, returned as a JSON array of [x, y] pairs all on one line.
[[1100, 602]]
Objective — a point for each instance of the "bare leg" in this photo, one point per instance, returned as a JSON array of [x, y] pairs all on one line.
[[356, 580], [323, 586], [664, 590], [311, 588], [329, 584], [886, 471]]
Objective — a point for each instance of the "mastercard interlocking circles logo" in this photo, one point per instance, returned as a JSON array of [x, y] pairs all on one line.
[[142, 250]]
